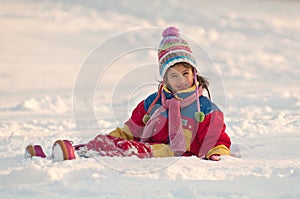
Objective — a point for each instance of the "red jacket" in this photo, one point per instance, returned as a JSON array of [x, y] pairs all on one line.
[[203, 139]]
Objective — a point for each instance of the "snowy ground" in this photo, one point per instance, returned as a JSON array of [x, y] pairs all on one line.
[[248, 49]]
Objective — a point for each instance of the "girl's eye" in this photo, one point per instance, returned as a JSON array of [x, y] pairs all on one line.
[[173, 76], [186, 73]]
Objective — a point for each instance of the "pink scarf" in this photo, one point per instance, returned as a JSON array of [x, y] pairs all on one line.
[[176, 134]]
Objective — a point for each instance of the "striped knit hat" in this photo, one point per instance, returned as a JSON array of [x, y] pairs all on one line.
[[173, 49]]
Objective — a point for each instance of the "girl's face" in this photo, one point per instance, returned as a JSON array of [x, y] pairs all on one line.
[[180, 77]]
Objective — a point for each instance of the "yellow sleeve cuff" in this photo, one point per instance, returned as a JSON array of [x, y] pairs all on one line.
[[220, 150], [122, 133], [161, 150]]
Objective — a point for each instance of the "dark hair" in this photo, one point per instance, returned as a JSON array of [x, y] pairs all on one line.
[[203, 81]]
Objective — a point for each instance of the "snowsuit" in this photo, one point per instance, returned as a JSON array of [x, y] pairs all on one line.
[[152, 138]]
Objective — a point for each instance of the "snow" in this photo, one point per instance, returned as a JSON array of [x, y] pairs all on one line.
[[247, 49]]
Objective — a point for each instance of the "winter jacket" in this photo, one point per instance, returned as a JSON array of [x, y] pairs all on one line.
[[203, 139]]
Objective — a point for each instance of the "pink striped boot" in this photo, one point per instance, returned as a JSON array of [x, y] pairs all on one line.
[[34, 150], [63, 150]]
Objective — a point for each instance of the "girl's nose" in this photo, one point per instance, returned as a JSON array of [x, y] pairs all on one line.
[[181, 80]]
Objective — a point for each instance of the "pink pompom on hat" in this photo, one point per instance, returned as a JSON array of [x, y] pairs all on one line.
[[173, 49]]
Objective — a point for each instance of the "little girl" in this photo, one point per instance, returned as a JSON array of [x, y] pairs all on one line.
[[177, 120]]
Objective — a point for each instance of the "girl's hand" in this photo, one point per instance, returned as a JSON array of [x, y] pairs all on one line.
[[215, 157]]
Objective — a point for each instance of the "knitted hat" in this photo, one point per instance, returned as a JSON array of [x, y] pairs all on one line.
[[173, 49]]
